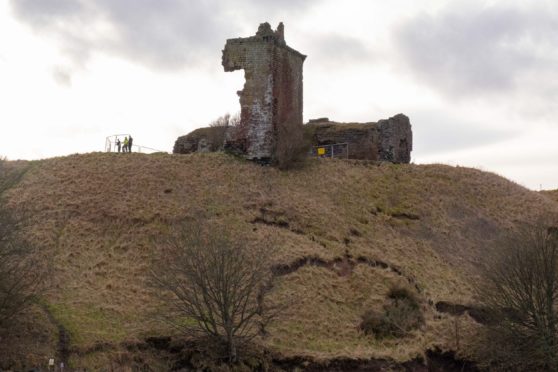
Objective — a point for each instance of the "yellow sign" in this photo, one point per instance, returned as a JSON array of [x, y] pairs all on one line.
[[321, 151]]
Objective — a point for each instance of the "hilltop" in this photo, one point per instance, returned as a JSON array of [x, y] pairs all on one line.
[[346, 232], [552, 194]]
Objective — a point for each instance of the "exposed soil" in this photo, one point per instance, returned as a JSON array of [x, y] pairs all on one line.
[[189, 355], [478, 314], [341, 265]]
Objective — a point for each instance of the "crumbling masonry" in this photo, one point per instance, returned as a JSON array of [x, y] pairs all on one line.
[[271, 110], [271, 101], [387, 140]]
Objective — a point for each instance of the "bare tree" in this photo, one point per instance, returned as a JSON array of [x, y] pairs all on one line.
[[21, 272], [218, 286], [221, 121], [218, 129], [234, 120], [520, 294]]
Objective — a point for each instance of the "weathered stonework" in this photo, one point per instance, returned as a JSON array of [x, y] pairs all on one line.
[[387, 140], [207, 139], [271, 101], [271, 110]]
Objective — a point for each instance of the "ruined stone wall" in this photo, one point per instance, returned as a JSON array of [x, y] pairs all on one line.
[[271, 110], [387, 140], [272, 96], [207, 139], [396, 139]]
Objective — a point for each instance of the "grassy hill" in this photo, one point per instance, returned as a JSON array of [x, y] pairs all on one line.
[[552, 194], [346, 232]]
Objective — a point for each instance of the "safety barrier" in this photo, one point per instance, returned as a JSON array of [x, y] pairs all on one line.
[[336, 150], [111, 146]]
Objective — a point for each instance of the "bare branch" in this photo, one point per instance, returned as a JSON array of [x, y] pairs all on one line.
[[218, 283], [520, 291], [22, 273]]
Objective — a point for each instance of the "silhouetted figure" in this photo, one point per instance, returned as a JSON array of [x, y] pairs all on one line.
[[118, 144], [130, 140], [125, 148]]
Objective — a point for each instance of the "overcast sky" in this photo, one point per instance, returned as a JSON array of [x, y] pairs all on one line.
[[478, 79]]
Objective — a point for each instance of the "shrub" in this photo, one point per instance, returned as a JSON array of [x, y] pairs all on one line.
[[519, 293], [21, 273], [398, 292], [373, 323], [400, 315]]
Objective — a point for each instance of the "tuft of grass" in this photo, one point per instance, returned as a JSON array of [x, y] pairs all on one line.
[[399, 316], [552, 194], [403, 293]]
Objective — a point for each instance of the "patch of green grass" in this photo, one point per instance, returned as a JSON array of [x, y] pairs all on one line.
[[89, 324]]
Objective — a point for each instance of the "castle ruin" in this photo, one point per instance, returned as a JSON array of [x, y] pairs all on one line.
[[271, 101], [386, 140], [271, 110]]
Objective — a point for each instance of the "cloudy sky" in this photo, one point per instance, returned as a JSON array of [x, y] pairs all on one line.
[[478, 79]]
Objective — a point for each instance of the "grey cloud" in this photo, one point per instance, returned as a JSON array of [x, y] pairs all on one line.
[[41, 13], [267, 10], [162, 34], [165, 34], [467, 51], [330, 50], [62, 75], [436, 132]]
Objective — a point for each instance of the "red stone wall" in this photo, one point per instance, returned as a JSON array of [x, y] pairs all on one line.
[[387, 140], [272, 94]]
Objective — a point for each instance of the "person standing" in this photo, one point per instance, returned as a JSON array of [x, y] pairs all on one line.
[[125, 144], [118, 144], [130, 140]]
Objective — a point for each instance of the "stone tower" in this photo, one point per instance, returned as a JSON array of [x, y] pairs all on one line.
[[271, 101]]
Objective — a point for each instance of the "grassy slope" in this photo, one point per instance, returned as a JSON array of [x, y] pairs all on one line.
[[97, 215], [552, 194]]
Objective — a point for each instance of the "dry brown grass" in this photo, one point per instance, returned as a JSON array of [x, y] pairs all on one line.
[[97, 215], [552, 194]]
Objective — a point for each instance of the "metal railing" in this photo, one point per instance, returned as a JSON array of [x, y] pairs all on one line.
[[110, 145], [336, 150]]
